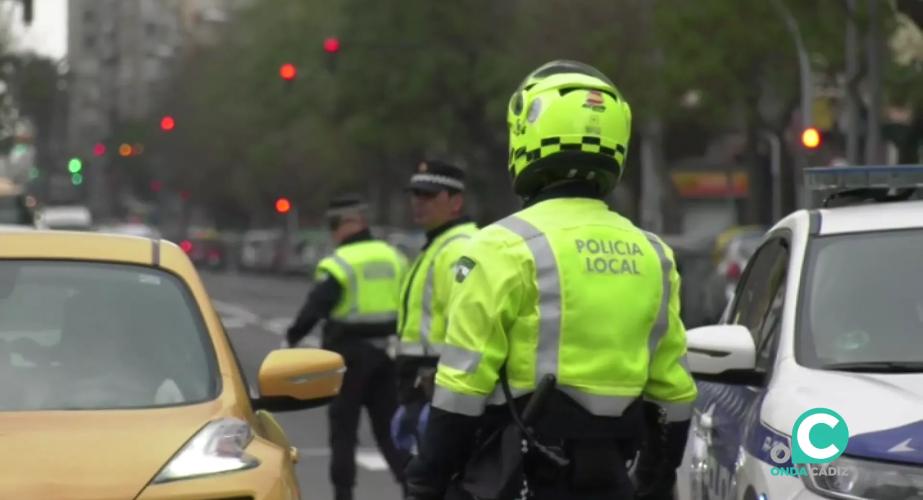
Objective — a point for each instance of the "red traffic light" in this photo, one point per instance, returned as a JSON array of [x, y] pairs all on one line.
[[186, 245], [331, 45], [167, 123], [288, 72], [99, 149], [283, 206], [156, 186], [810, 138]]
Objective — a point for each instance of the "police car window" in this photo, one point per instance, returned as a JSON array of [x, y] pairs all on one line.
[[772, 323], [755, 294], [862, 300]]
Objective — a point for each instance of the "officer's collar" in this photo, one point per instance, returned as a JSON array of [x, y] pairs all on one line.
[[432, 234], [363, 235], [568, 190]]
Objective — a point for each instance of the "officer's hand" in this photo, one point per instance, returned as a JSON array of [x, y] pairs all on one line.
[[426, 381]]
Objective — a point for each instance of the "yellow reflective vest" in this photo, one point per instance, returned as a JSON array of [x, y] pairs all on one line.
[[369, 273], [569, 288], [425, 292]]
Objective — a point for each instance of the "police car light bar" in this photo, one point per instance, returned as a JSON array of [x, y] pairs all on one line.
[[829, 182]]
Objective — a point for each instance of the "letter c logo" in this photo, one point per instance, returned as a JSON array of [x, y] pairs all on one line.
[[820, 436]]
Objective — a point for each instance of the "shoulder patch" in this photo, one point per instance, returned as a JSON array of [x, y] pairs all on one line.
[[463, 268]]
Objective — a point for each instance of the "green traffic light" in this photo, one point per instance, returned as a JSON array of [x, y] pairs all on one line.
[[74, 166], [76, 179]]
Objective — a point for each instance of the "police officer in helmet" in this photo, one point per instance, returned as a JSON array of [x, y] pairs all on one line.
[[564, 327], [356, 293]]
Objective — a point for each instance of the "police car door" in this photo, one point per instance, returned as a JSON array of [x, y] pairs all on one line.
[[728, 415]]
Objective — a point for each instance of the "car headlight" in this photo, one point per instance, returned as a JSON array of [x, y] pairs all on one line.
[[218, 447], [851, 478]]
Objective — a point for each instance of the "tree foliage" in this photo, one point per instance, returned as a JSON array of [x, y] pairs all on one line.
[[417, 78]]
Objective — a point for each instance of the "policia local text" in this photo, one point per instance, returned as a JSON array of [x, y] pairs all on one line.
[[611, 265]]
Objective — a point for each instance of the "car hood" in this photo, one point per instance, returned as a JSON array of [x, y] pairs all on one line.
[[92, 454], [882, 411]]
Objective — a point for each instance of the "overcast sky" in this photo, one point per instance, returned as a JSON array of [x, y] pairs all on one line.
[[48, 33]]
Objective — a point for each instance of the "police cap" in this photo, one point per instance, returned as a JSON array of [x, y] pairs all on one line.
[[433, 176]]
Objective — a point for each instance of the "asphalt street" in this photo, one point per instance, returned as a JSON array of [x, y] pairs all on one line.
[[256, 310]]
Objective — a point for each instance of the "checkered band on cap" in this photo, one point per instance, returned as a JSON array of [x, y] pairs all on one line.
[[442, 180]]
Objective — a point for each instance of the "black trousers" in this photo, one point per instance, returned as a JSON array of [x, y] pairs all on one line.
[[369, 382]]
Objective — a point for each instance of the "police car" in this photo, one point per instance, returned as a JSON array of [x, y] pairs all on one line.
[[811, 386]]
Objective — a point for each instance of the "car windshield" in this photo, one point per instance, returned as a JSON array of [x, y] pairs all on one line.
[[80, 336], [863, 300]]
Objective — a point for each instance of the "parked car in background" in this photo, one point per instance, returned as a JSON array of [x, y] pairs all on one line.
[[130, 229], [258, 249], [206, 249], [66, 217], [733, 249]]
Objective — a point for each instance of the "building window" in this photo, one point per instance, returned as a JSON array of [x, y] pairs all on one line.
[[89, 16], [89, 41], [151, 29]]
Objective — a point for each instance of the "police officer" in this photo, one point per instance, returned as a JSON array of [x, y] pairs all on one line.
[[563, 294], [356, 292], [437, 199]]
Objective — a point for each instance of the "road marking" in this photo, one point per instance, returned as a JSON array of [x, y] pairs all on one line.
[[234, 316], [371, 460], [367, 458], [233, 322], [277, 326]]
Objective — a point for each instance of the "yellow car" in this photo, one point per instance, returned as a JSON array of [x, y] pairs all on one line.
[[117, 380]]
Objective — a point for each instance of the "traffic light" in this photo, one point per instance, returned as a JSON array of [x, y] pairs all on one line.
[[99, 149], [74, 166], [156, 186], [288, 72], [331, 45], [283, 206], [125, 150], [167, 123], [76, 179], [810, 138], [331, 48]]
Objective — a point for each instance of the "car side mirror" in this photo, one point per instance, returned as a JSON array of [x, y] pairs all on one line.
[[296, 379], [724, 354]]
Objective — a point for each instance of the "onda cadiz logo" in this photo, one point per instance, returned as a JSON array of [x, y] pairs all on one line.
[[819, 436]]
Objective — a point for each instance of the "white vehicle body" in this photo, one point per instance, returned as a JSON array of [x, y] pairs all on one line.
[[736, 425], [74, 217]]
